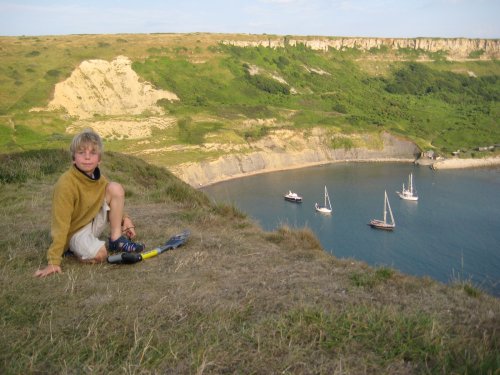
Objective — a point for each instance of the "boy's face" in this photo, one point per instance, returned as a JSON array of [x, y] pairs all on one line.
[[87, 159]]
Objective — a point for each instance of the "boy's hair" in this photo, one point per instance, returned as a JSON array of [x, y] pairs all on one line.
[[85, 138]]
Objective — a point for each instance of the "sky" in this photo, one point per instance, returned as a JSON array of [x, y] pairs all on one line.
[[360, 18]]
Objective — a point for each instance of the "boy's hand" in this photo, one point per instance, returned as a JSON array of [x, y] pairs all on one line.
[[49, 270]]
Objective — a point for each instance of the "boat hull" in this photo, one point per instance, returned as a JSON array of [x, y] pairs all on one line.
[[407, 197], [379, 224], [292, 197], [323, 210]]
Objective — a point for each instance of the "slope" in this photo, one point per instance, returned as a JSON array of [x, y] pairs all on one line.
[[235, 299]]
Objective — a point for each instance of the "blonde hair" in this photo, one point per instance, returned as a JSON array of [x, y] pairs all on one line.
[[88, 137]]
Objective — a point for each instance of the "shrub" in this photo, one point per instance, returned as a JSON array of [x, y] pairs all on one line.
[[267, 84], [53, 73], [476, 54], [33, 54]]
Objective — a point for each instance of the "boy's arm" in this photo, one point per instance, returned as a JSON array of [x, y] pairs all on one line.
[[62, 211], [62, 208]]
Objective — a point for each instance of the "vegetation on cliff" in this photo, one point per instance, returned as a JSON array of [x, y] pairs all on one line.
[[234, 299], [230, 94]]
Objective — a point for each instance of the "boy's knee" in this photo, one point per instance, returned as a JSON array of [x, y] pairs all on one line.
[[115, 189]]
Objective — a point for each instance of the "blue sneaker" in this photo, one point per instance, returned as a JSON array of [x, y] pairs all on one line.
[[125, 245]]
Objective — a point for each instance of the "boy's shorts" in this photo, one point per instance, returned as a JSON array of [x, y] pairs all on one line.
[[85, 243]]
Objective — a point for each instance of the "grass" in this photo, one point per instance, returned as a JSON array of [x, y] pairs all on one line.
[[370, 279], [234, 299]]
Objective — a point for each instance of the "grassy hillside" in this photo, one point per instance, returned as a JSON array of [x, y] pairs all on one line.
[[439, 104], [234, 299]]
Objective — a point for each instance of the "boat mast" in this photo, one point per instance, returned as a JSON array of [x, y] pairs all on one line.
[[385, 207], [390, 211]]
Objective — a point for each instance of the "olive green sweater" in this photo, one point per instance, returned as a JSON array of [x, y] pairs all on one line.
[[76, 201]]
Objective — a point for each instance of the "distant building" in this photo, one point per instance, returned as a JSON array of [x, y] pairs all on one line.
[[429, 154], [486, 148]]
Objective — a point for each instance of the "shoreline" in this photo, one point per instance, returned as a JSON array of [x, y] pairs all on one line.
[[305, 165], [455, 163]]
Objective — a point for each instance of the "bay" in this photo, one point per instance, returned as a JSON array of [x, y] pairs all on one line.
[[452, 233]]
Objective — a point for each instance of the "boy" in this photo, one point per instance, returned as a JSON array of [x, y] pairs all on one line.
[[82, 204]]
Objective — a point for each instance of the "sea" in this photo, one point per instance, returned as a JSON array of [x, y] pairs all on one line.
[[451, 234]]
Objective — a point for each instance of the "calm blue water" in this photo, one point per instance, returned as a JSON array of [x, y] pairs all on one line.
[[452, 232]]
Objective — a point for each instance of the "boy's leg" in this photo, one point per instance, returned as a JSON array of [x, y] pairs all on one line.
[[100, 257], [115, 197], [85, 243]]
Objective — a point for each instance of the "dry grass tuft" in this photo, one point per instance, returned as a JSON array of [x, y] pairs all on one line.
[[303, 238]]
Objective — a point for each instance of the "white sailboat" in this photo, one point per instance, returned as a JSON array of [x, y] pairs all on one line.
[[409, 194], [327, 206], [384, 224]]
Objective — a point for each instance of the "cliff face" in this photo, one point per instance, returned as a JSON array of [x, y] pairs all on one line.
[[273, 153], [107, 88], [456, 49]]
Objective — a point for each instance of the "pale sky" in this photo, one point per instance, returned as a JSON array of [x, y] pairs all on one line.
[[365, 18]]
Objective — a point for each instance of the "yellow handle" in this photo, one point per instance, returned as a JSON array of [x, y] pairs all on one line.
[[150, 254]]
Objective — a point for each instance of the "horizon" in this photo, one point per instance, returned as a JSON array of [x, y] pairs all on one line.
[[444, 19], [242, 34]]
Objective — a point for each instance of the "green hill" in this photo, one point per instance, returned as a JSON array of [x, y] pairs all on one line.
[[439, 103], [234, 299]]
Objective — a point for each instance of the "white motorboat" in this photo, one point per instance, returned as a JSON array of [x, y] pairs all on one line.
[[293, 197]]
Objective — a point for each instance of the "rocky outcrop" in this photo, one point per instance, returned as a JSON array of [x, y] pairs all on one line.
[[275, 153], [457, 163], [455, 48], [107, 88]]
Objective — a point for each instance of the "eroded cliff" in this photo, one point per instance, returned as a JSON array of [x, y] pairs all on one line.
[[287, 150], [107, 88]]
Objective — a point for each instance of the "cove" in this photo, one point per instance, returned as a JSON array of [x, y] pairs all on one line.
[[452, 233]]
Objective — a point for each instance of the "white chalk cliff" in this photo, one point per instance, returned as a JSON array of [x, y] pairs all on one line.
[[107, 88], [455, 48]]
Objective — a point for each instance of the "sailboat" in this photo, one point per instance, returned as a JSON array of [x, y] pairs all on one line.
[[327, 206], [383, 224], [409, 194]]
